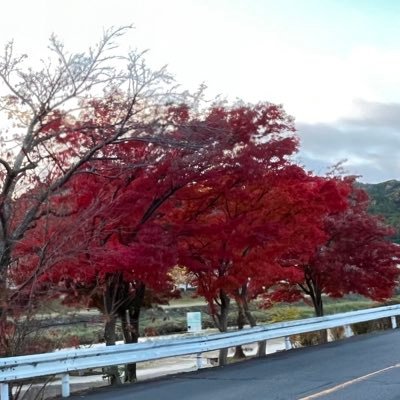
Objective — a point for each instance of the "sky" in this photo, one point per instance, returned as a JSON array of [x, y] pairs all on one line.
[[333, 64]]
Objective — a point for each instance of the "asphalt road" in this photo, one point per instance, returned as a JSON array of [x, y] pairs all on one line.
[[364, 367]]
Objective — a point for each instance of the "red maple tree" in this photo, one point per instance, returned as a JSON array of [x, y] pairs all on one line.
[[115, 208], [356, 256], [224, 220]]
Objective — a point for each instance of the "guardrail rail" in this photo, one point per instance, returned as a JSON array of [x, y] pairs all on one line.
[[65, 361]]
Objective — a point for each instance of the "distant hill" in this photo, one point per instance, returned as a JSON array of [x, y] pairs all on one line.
[[385, 200]]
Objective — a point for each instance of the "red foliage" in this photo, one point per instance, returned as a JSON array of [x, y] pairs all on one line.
[[235, 216], [217, 194], [356, 256], [114, 210]]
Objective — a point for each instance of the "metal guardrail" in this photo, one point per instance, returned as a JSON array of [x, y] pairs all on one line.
[[65, 361]]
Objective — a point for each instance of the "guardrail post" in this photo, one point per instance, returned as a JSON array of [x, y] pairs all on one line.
[[262, 348], [288, 343], [394, 322], [348, 332], [198, 360], [4, 391], [65, 389]]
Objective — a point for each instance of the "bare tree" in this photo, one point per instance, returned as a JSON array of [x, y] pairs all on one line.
[[56, 129]]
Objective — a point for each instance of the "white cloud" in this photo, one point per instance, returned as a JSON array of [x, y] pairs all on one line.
[[257, 51], [226, 47], [369, 142]]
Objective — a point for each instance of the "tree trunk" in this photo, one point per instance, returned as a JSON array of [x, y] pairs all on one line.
[[221, 318], [110, 336], [249, 316], [5, 260], [110, 300], [262, 345], [110, 339], [133, 328], [241, 320], [221, 322], [313, 290], [319, 312]]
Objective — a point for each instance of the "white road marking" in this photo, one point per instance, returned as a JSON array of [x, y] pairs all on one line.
[[348, 383]]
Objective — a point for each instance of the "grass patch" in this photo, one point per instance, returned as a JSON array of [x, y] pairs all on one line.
[[65, 325]]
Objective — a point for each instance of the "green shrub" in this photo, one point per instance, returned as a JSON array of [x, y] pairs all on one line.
[[261, 317], [284, 314], [347, 306], [166, 328]]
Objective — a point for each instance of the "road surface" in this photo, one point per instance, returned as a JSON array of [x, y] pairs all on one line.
[[364, 367]]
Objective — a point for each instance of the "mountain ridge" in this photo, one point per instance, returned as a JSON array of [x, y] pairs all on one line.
[[385, 201]]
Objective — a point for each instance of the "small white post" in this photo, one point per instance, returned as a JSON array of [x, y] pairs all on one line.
[[198, 361], [348, 332], [65, 389], [394, 322], [193, 321], [4, 391], [288, 344]]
